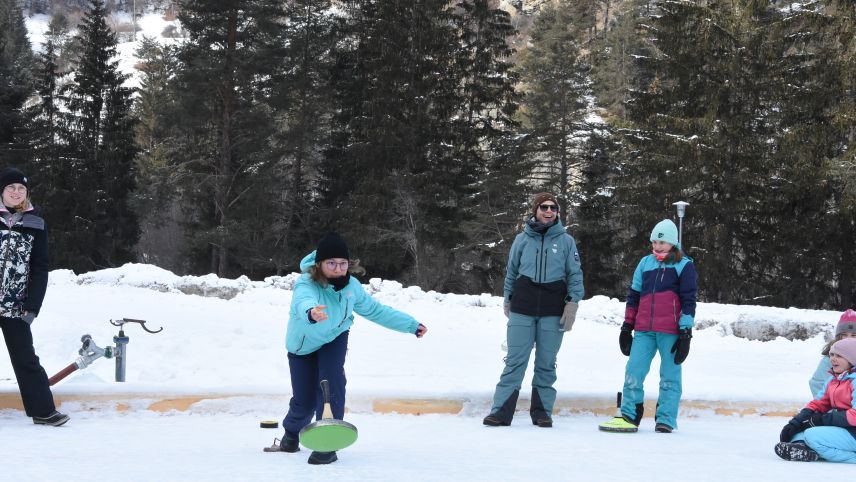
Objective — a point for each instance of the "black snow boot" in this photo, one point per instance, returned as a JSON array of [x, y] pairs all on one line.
[[503, 416], [796, 451], [322, 458], [640, 409], [539, 415], [288, 444], [663, 428]]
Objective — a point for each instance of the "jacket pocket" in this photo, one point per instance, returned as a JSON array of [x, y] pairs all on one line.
[[300, 345], [519, 330]]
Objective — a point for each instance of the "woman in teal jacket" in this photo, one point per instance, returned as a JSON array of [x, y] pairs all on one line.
[[325, 299], [543, 285]]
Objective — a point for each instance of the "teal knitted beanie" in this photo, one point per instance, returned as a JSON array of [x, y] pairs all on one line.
[[666, 231]]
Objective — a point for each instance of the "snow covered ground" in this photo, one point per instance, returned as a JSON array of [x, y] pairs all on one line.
[[144, 447], [231, 341], [227, 339]]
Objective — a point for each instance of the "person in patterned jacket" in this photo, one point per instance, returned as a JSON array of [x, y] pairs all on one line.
[[660, 308], [24, 251]]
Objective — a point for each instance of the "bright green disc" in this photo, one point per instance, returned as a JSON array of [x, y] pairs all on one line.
[[328, 437]]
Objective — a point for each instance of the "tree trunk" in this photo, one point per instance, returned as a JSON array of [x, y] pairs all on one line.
[[224, 171]]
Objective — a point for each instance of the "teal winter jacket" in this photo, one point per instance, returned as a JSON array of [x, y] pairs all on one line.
[[543, 272], [304, 337]]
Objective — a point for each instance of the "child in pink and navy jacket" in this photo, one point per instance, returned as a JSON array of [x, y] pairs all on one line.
[[661, 305], [826, 428]]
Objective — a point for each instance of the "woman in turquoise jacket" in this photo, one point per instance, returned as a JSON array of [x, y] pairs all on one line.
[[325, 299], [543, 285]]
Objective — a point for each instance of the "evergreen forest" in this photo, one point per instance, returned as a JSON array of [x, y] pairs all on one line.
[[420, 129]]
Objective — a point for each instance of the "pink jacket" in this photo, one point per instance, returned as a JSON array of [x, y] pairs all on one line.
[[837, 395]]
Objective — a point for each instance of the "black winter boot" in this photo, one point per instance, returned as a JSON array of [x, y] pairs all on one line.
[[288, 444], [322, 458], [539, 415], [503, 416], [796, 451], [640, 409]]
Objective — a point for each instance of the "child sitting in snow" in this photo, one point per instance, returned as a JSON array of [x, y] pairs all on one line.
[[846, 329], [826, 427]]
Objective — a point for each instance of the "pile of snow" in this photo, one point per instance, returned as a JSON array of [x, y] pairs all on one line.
[[227, 336], [743, 321]]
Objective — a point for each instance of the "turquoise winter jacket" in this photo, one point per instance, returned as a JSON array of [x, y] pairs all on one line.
[[821, 375], [304, 337], [545, 259]]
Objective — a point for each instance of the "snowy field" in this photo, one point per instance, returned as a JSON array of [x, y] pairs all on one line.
[[226, 337], [144, 447]]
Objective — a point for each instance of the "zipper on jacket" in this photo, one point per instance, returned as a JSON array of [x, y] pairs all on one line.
[[654, 292], [675, 312], [345, 315], [545, 259]]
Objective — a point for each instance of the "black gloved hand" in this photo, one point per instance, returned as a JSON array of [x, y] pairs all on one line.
[[788, 431], [816, 420], [797, 424], [681, 348], [625, 338]]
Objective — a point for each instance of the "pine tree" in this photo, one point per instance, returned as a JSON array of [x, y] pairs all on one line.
[[16, 82], [404, 197], [46, 132], [702, 135], [486, 138], [302, 100], [842, 166], [615, 74], [555, 75], [96, 228], [812, 175], [595, 227], [234, 49], [155, 202]]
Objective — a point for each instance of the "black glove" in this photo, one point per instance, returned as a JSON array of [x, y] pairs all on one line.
[[681, 348], [788, 431], [816, 420], [800, 422], [29, 317], [625, 339]]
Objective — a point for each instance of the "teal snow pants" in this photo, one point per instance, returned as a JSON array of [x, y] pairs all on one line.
[[645, 345], [525, 332], [834, 444]]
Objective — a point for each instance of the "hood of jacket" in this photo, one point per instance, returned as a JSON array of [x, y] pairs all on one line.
[[307, 262], [555, 230]]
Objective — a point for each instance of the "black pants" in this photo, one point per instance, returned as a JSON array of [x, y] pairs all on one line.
[[307, 371], [32, 379]]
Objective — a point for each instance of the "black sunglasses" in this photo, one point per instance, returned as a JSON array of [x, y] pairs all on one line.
[[549, 207]]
